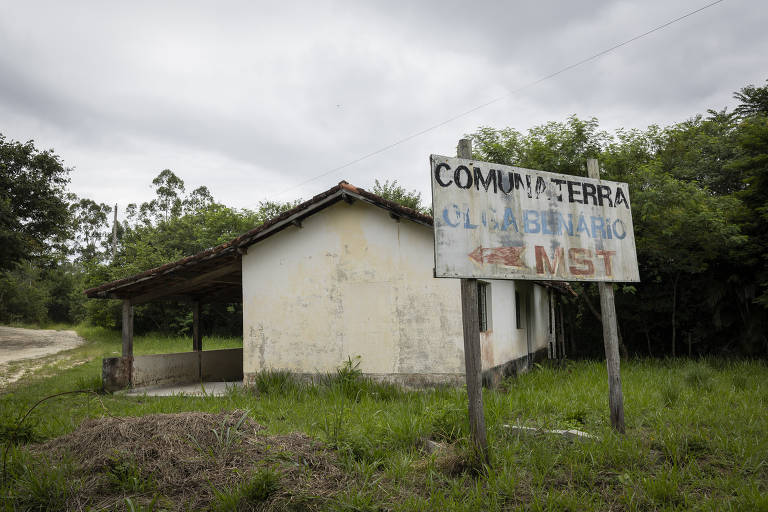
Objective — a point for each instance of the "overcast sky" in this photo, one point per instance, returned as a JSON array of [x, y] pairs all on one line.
[[252, 99]]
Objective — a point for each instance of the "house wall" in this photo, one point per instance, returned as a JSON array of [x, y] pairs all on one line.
[[353, 281]]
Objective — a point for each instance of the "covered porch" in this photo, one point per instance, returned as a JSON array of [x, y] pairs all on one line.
[[208, 277]]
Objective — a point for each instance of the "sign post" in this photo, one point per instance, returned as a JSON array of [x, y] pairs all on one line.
[[610, 337], [502, 222], [472, 357]]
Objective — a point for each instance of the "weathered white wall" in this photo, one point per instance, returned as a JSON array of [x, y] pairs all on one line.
[[353, 281]]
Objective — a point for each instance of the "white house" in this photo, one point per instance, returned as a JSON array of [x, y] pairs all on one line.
[[346, 274]]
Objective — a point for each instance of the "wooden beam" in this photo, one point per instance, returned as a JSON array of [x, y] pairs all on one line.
[[188, 285], [610, 336], [472, 356]]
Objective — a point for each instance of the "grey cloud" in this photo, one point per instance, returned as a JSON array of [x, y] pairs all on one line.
[[274, 94]]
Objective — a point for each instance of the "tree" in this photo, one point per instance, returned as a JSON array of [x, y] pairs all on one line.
[[168, 186], [33, 203], [90, 224], [683, 209], [561, 147], [754, 101], [397, 194], [165, 229], [753, 164]]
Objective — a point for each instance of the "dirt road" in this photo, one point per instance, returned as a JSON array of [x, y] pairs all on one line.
[[19, 347]]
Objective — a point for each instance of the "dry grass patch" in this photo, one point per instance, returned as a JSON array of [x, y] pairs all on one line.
[[192, 461]]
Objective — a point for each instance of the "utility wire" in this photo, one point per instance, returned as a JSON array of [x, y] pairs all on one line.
[[499, 98]]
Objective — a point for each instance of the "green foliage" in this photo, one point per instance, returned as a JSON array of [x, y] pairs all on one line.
[[397, 194], [33, 204], [258, 487], [753, 101], [699, 190], [274, 382], [39, 484], [124, 474], [165, 229]]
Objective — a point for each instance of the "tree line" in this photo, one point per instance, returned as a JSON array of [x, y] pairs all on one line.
[[699, 193]]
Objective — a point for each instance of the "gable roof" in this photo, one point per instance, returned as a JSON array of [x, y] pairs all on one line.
[[215, 274]]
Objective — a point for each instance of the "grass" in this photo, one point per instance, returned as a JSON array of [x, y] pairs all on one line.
[[250, 491], [697, 435]]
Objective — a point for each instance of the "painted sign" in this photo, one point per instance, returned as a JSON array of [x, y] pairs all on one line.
[[500, 222]]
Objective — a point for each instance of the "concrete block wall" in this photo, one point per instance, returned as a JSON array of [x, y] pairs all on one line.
[[178, 368]]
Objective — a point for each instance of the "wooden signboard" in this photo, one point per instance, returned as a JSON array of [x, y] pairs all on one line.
[[500, 222]]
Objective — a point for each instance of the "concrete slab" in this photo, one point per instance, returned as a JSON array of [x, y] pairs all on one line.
[[198, 389]]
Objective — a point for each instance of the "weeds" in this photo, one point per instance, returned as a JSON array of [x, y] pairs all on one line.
[[259, 487], [15, 433], [670, 393], [226, 438], [90, 383], [125, 475], [699, 378], [274, 382], [42, 485]]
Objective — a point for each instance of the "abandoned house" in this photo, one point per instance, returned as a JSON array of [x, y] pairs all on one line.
[[344, 274]]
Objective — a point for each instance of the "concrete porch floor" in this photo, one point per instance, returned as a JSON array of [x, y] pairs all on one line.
[[197, 389]]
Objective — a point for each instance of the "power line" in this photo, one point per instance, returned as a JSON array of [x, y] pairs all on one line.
[[499, 98]]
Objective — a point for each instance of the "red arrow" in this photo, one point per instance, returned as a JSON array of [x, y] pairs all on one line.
[[507, 256]]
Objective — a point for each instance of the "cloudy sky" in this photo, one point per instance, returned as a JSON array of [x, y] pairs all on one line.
[[253, 99]]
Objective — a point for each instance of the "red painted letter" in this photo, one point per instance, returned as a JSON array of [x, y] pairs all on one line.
[[542, 259], [606, 260], [576, 256]]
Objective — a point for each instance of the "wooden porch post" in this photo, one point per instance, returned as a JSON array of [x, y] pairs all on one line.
[[127, 326], [197, 337]]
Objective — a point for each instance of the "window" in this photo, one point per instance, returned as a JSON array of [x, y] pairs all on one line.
[[517, 311], [483, 305]]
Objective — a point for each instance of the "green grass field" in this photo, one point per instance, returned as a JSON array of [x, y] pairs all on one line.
[[697, 434]]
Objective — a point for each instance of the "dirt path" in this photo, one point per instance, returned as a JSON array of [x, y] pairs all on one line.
[[21, 348]]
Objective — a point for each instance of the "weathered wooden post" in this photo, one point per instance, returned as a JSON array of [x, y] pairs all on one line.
[[610, 336], [197, 338], [472, 358], [127, 327]]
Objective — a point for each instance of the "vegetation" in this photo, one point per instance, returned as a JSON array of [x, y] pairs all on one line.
[[680, 452], [699, 191]]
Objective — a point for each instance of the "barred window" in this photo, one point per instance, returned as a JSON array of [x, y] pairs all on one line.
[[483, 305]]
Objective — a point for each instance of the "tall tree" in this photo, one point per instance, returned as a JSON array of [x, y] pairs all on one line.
[[33, 202], [90, 222]]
